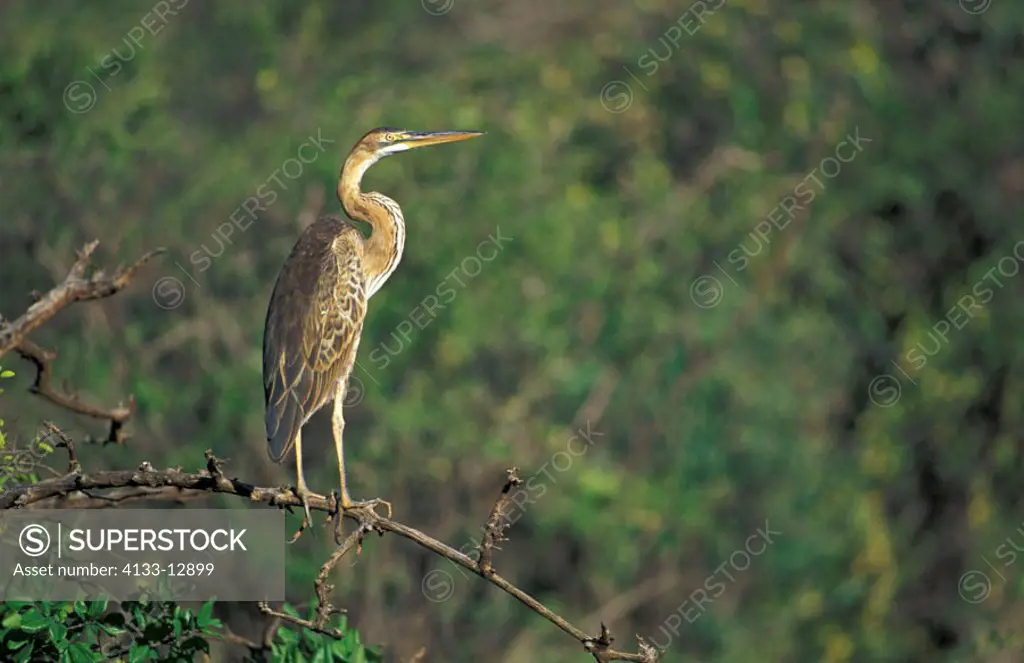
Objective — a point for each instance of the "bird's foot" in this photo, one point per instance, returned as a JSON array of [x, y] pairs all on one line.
[[303, 494], [369, 505], [365, 512]]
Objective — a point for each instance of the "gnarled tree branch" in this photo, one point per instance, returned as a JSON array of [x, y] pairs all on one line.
[[77, 287], [43, 360], [213, 480]]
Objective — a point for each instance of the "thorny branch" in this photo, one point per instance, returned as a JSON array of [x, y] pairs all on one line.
[[213, 480], [497, 523], [324, 610]]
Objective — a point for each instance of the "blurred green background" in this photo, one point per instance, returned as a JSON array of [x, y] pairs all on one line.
[[767, 252]]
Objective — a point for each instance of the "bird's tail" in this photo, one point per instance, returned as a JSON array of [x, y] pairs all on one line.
[[284, 421]]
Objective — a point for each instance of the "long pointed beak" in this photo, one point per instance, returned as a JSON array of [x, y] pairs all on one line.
[[437, 137]]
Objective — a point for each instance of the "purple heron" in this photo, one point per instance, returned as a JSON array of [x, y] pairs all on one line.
[[316, 312]]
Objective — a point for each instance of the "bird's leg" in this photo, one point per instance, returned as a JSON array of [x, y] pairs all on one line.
[[338, 427], [302, 491]]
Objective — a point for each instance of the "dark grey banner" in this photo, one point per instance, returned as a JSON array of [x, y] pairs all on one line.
[[121, 554]]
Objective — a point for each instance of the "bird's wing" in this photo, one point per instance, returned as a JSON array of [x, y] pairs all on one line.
[[312, 329]]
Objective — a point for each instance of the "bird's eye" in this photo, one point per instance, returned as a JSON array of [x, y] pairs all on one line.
[[389, 138]]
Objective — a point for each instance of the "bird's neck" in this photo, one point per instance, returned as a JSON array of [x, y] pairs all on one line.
[[383, 251]]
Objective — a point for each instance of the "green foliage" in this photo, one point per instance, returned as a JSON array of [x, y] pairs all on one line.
[[162, 632], [311, 647], [81, 632]]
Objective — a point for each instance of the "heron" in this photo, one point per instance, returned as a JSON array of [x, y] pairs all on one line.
[[318, 305]]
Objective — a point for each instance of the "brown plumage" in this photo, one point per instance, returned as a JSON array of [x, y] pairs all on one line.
[[315, 316], [313, 327]]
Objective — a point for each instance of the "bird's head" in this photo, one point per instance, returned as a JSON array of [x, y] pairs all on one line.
[[385, 141], [382, 142]]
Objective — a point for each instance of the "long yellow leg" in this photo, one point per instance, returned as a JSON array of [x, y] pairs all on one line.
[[338, 428], [302, 491]]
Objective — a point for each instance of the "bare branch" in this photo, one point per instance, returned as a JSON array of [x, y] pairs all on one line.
[[213, 480], [74, 467], [324, 610], [494, 529], [43, 360], [75, 288]]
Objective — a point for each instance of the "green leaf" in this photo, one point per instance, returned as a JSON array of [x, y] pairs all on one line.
[[97, 608], [80, 653], [33, 621], [90, 633], [205, 613], [58, 632], [141, 653], [23, 655], [12, 620]]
